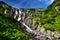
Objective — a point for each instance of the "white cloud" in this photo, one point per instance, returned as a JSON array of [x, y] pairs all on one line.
[[47, 2], [51, 1]]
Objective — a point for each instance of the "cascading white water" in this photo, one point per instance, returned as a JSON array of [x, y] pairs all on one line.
[[15, 14], [30, 30], [5, 11], [19, 18], [20, 12]]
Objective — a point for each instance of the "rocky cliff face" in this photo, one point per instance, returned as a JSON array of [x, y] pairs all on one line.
[[29, 23]]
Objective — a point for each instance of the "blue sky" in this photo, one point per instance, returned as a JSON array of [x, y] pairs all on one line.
[[29, 3]]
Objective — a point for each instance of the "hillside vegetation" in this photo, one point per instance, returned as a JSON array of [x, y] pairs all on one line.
[[8, 26], [49, 18]]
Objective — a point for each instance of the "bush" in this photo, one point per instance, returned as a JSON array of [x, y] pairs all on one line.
[[9, 30]]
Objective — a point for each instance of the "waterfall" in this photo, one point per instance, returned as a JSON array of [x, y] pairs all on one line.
[[20, 13], [15, 14], [5, 11], [27, 27], [19, 18]]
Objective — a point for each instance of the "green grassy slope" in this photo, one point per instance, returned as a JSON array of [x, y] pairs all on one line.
[[8, 26], [9, 30], [50, 18]]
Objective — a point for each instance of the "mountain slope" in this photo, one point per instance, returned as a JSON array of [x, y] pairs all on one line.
[[49, 19], [51, 16], [8, 26]]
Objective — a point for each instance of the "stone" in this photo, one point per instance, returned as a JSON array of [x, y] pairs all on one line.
[[52, 33], [57, 8], [48, 34], [42, 29], [57, 35]]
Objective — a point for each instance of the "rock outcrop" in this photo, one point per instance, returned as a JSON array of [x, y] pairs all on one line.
[[57, 8], [38, 33]]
